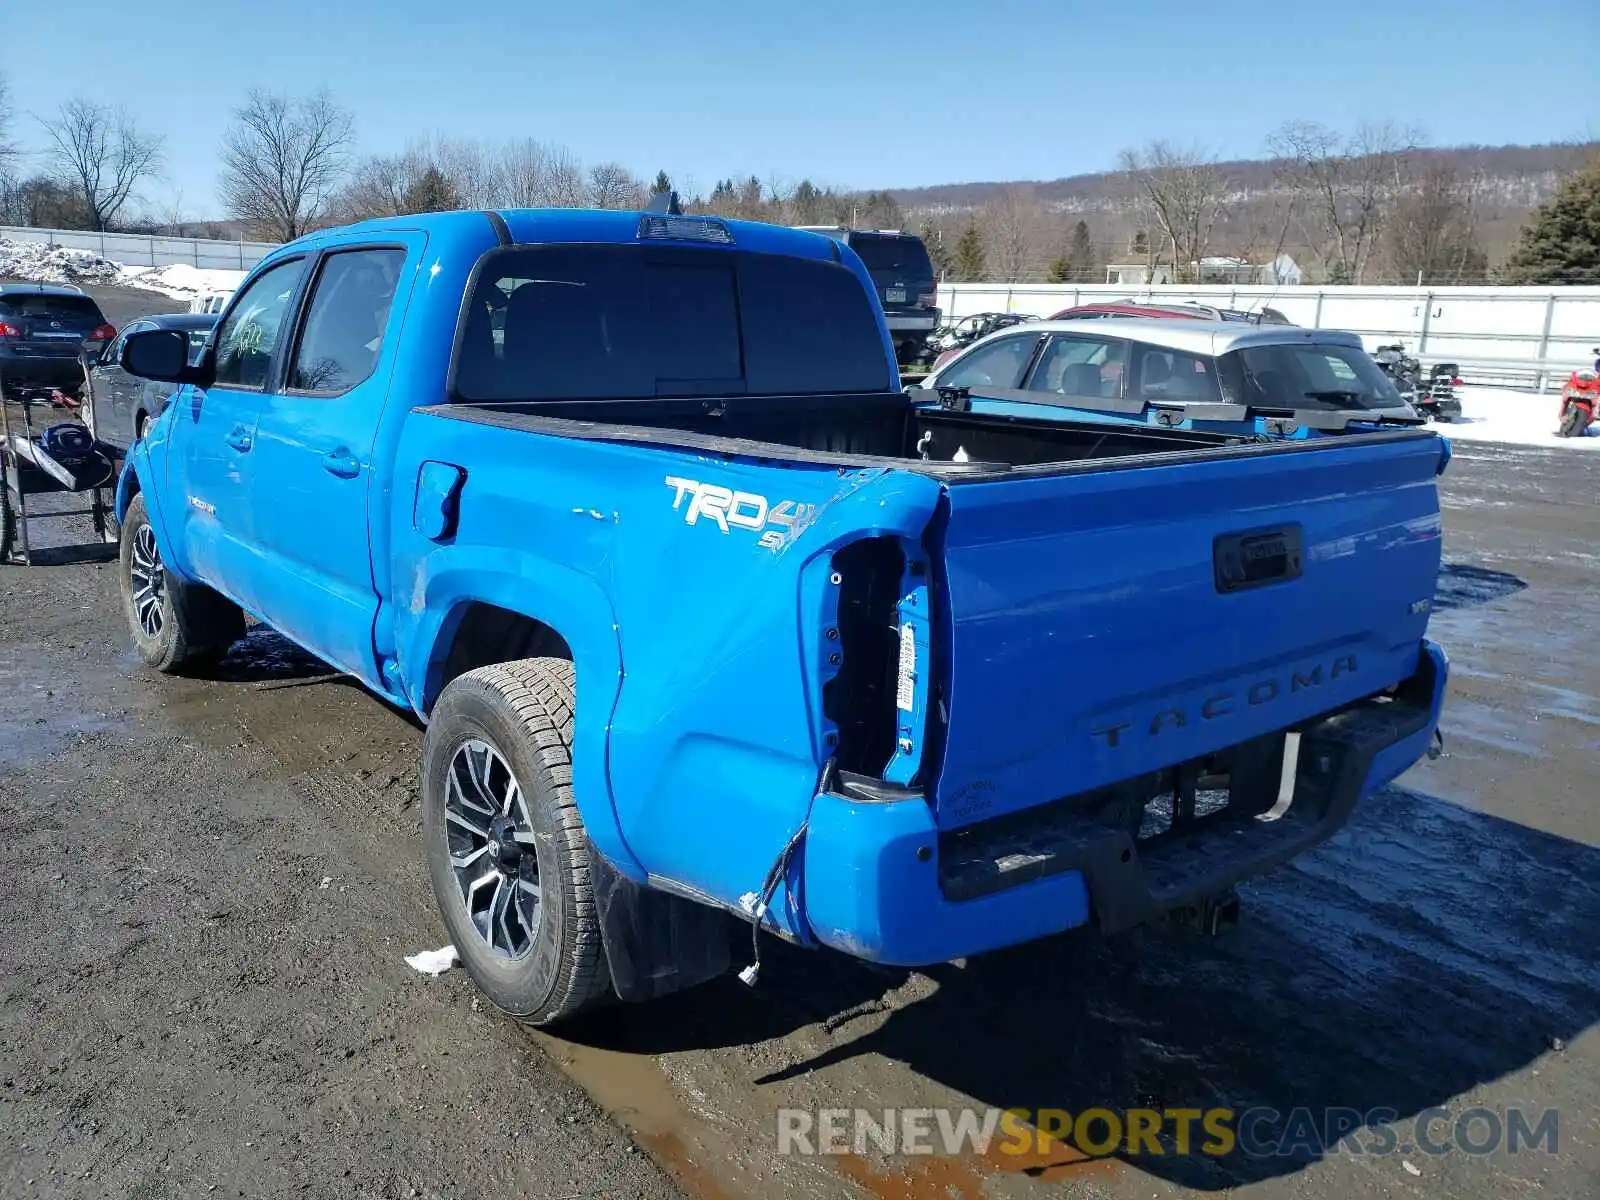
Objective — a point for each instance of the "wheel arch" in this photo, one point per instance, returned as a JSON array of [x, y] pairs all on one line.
[[470, 609]]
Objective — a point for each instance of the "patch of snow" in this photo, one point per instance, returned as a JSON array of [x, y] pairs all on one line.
[[35, 262], [1517, 418], [180, 280]]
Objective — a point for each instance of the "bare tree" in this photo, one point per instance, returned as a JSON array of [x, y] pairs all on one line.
[[612, 185], [473, 169], [100, 154], [1183, 191], [281, 160], [1013, 225], [1341, 186], [8, 148], [565, 185], [1432, 234], [171, 214], [377, 187], [538, 175]]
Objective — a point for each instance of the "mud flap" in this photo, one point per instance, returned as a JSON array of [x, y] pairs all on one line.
[[657, 943]]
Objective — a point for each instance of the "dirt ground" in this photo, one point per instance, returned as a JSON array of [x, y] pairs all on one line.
[[210, 885]]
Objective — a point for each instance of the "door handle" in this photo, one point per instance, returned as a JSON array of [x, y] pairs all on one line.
[[342, 463], [239, 438]]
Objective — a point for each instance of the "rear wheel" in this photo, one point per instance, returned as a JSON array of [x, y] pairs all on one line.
[[506, 848], [174, 624]]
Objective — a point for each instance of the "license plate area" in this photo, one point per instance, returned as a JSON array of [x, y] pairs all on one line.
[[894, 295], [1257, 558]]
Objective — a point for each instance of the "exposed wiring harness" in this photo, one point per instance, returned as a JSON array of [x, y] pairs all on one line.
[[769, 886]]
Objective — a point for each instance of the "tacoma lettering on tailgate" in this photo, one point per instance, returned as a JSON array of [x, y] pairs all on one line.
[[1225, 703]]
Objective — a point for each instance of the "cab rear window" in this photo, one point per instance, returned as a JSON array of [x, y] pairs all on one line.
[[591, 322]]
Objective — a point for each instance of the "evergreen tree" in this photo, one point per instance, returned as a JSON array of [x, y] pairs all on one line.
[[806, 204], [1080, 255], [432, 191], [663, 183], [1077, 264], [1561, 243], [724, 198], [969, 255]]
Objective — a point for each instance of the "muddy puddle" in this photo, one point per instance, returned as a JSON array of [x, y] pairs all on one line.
[[42, 707]]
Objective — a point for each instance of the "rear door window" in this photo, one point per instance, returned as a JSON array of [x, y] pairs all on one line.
[[566, 322], [345, 320], [1175, 377], [997, 364], [1074, 365]]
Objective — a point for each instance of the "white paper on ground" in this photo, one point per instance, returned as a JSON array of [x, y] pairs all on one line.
[[433, 962]]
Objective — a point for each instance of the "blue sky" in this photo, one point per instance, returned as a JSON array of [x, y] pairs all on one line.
[[892, 93]]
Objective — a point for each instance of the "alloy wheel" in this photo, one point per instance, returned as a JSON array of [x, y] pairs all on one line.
[[149, 582], [492, 851]]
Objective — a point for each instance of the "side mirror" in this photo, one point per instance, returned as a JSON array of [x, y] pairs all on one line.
[[160, 354]]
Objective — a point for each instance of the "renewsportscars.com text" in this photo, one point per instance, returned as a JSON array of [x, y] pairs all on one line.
[[1257, 1132]]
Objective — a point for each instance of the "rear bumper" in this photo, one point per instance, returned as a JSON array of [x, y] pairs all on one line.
[[17, 370], [913, 321], [882, 883]]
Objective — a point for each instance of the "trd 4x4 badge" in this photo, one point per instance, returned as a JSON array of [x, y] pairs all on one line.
[[727, 509]]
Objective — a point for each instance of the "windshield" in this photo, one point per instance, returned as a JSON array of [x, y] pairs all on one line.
[[590, 322], [1307, 375], [900, 255]]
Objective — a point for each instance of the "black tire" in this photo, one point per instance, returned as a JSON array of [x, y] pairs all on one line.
[[111, 528], [1574, 424], [8, 520], [523, 712], [174, 624]]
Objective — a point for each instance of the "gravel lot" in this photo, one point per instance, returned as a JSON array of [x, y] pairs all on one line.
[[211, 885]]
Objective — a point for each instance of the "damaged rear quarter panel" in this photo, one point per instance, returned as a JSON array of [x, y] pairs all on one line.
[[716, 744]]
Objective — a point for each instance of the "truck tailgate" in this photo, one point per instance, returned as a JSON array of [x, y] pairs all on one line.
[[1101, 624]]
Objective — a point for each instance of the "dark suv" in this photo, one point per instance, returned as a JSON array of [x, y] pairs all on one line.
[[903, 275], [45, 332]]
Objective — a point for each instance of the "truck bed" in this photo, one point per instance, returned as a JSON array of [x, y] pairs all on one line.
[[876, 429]]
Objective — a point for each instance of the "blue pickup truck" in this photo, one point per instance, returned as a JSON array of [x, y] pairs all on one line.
[[717, 630]]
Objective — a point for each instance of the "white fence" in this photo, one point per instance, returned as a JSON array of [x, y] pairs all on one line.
[[140, 250], [1530, 334]]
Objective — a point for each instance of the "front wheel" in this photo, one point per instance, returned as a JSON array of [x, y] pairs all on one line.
[[506, 848], [1574, 422], [174, 624]]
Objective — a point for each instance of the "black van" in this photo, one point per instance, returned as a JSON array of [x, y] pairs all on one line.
[[900, 267]]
